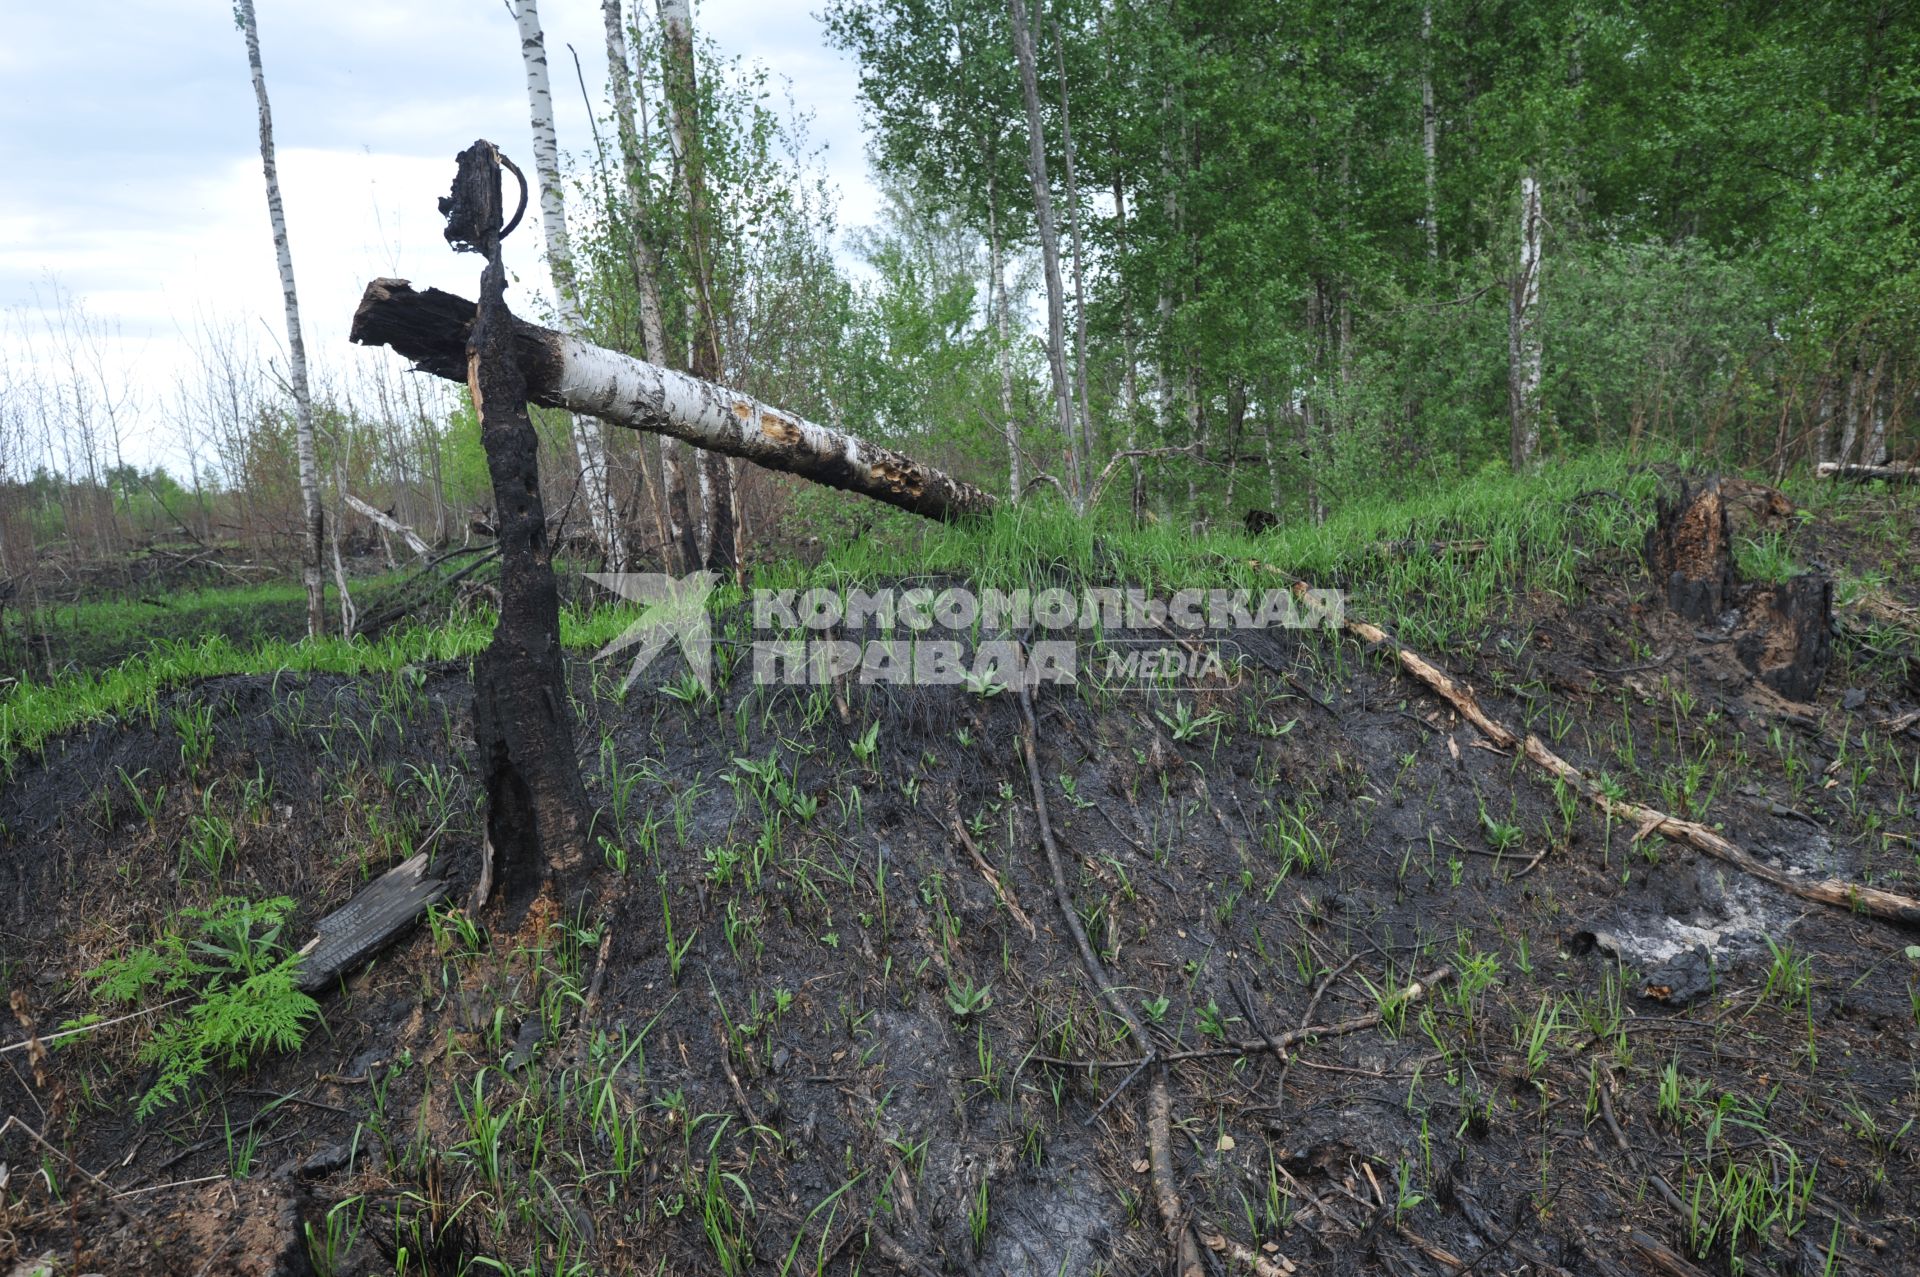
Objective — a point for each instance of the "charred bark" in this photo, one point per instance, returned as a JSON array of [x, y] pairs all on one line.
[[536, 807], [1786, 635], [1689, 550], [1784, 631], [559, 371]]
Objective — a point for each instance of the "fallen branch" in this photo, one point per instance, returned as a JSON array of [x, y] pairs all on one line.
[[13, 1122], [1856, 897], [95, 1027], [382, 519], [1282, 1043], [1166, 1193], [561, 371], [1000, 888]]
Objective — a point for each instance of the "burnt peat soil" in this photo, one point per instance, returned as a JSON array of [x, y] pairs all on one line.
[[823, 1012]]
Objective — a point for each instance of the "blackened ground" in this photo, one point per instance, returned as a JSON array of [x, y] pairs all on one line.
[[803, 1029]]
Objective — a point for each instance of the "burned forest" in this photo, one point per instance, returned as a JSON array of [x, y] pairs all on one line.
[[1027, 639]]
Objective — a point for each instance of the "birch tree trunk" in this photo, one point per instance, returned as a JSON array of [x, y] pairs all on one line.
[[312, 572], [563, 371], [683, 127], [1850, 418], [1129, 377], [1874, 453], [1429, 131], [589, 441], [997, 301], [670, 510], [1079, 280], [1523, 333], [1047, 229]]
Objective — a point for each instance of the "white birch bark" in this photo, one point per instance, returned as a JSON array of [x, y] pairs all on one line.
[[1046, 227], [1429, 131], [1523, 332], [719, 531], [997, 302], [565, 371], [312, 572], [1129, 377], [671, 502], [589, 442], [1073, 235]]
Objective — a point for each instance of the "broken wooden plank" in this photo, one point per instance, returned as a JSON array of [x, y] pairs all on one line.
[[369, 922]]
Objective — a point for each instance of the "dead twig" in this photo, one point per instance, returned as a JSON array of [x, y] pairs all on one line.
[[1159, 1143], [1000, 888], [13, 1123]]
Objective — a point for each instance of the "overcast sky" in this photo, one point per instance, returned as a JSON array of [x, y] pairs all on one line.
[[130, 152]]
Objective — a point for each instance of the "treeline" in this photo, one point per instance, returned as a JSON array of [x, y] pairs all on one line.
[[1265, 253], [1331, 247]]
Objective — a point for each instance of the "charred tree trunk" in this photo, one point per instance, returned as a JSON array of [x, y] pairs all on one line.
[[523, 732], [1783, 634], [1786, 634], [561, 371], [1689, 550]]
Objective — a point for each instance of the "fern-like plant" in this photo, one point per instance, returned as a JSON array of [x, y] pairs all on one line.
[[244, 984]]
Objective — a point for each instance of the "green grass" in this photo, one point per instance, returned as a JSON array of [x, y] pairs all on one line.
[[1539, 533], [93, 631]]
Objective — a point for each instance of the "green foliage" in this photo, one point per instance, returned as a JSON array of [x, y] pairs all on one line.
[[228, 959]]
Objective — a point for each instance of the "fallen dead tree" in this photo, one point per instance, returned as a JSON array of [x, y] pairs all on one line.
[[432, 328], [1895, 472], [1856, 897]]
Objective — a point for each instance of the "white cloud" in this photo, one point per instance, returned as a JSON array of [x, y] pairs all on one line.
[[128, 136]]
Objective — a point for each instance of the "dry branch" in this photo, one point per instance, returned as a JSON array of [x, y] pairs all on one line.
[[1886, 905], [382, 519], [431, 328]]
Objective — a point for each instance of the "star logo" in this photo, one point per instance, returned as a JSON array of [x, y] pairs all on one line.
[[676, 609]]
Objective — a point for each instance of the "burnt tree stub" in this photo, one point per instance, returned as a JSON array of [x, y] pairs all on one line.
[[1782, 633], [1786, 634], [523, 731], [1689, 550]]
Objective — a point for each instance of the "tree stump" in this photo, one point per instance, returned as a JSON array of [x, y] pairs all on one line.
[[1786, 636], [1689, 550], [1784, 632]]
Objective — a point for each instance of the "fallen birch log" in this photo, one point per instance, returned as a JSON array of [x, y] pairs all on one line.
[[431, 329], [1896, 472], [1855, 897], [380, 518]]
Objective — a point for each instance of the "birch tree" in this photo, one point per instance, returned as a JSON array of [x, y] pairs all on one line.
[[1429, 131], [312, 520], [1047, 228], [683, 127], [1079, 275], [589, 440], [677, 529], [1523, 332]]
